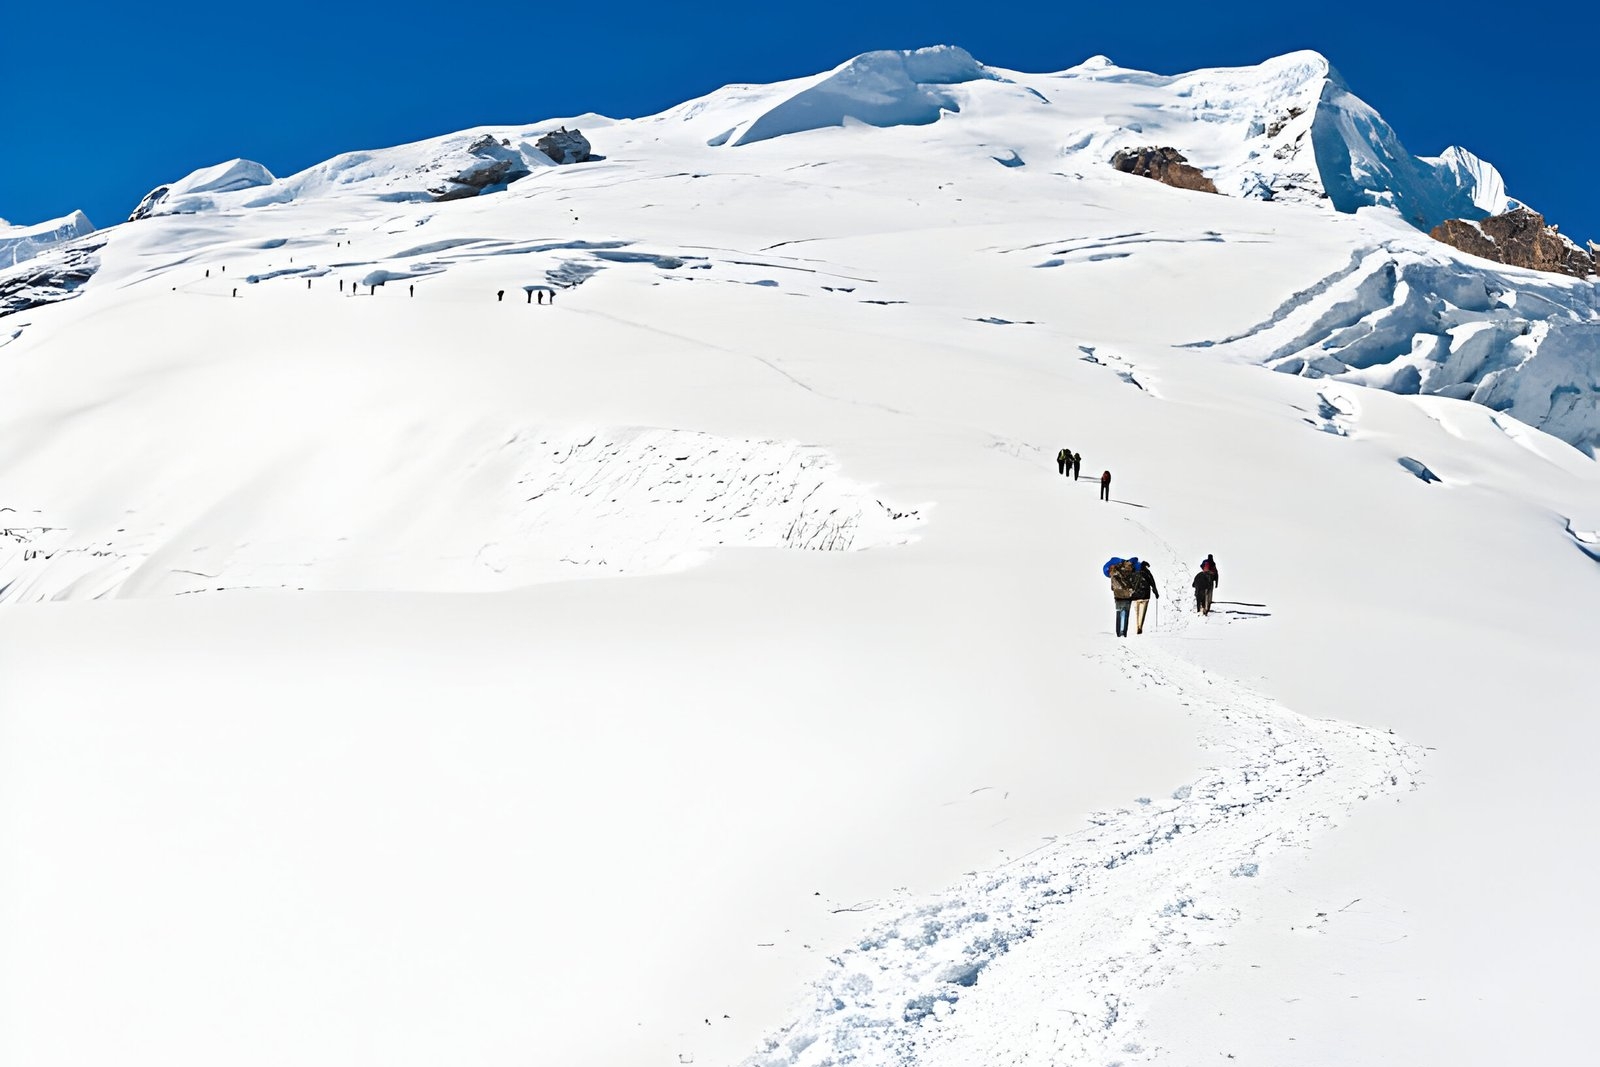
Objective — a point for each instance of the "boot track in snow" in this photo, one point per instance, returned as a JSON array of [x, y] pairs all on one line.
[[1054, 957]]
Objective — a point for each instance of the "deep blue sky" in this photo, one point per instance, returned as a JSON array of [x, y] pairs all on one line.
[[106, 100]]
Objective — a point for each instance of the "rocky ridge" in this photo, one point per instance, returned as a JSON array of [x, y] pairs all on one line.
[[1518, 238]]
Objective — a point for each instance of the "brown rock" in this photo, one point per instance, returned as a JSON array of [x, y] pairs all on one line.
[[1166, 165], [1518, 238], [1468, 237]]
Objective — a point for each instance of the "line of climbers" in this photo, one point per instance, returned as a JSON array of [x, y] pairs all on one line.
[[545, 294], [1070, 464], [1133, 585]]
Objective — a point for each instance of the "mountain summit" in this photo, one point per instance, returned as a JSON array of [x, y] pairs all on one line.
[[1286, 129]]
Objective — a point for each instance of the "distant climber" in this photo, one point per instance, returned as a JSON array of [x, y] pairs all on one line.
[[1144, 587], [1077, 466], [1063, 460], [1105, 485], [411, 290], [1204, 581], [1122, 592], [1208, 565], [500, 295]]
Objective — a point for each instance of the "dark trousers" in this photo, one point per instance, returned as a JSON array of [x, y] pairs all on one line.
[[1200, 599], [1123, 607], [1061, 466], [1105, 490]]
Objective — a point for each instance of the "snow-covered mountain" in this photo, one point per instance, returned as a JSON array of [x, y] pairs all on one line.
[[1288, 130], [631, 611], [19, 243]]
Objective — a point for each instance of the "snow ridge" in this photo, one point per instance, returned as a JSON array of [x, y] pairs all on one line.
[[20, 243], [189, 194], [1416, 322], [1289, 129], [1087, 928], [1362, 163], [887, 88]]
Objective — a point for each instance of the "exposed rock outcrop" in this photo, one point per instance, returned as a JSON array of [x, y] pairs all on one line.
[[147, 206], [1518, 238], [565, 146], [1279, 124], [493, 162], [55, 274], [1166, 165]]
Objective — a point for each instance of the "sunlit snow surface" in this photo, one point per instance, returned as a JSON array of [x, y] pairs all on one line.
[[20, 243], [312, 751]]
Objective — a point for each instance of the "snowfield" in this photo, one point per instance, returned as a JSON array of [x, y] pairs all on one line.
[[633, 615]]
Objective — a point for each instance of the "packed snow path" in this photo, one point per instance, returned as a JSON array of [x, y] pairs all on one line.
[[1053, 958]]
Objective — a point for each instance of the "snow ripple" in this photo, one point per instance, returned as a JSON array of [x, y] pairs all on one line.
[[1055, 957]]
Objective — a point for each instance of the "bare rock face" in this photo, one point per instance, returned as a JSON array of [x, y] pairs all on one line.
[[59, 273], [147, 206], [1519, 238], [565, 146], [491, 161], [1166, 165]]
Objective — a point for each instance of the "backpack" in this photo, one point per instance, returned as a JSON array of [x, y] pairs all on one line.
[[1122, 581]]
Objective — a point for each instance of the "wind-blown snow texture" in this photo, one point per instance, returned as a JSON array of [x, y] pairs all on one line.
[[631, 613]]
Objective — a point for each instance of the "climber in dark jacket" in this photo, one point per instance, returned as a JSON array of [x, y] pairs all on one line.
[[1063, 460], [1204, 581], [1144, 587]]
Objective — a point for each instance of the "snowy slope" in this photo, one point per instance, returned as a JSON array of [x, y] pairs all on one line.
[[317, 747], [18, 243]]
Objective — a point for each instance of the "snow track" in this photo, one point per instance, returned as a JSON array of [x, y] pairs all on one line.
[[1055, 957]]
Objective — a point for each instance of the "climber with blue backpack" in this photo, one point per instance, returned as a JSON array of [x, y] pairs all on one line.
[[1122, 572]]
